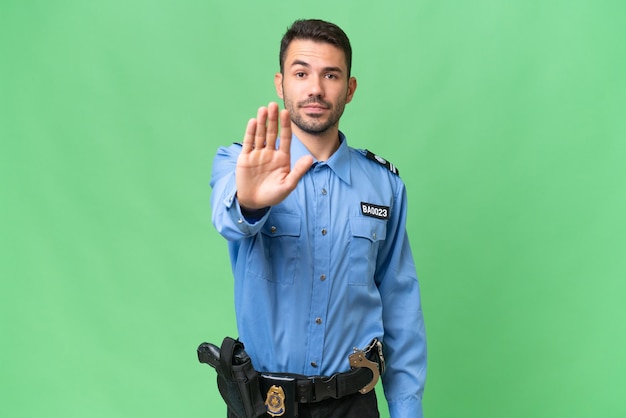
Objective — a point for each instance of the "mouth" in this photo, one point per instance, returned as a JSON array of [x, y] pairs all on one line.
[[314, 108], [314, 103]]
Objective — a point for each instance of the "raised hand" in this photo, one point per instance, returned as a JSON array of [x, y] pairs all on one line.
[[264, 176]]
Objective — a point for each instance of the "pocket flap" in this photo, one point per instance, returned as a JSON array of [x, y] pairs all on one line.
[[372, 229], [282, 224]]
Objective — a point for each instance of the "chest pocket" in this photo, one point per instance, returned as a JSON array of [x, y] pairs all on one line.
[[280, 238], [367, 235]]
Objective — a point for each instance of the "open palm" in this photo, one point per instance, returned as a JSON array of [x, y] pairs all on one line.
[[264, 175]]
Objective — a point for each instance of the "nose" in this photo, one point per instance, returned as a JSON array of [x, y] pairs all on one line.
[[316, 88]]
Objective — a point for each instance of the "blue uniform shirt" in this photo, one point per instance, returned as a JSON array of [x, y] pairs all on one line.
[[328, 269]]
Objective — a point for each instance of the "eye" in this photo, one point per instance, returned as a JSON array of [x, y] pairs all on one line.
[[331, 76], [300, 74]]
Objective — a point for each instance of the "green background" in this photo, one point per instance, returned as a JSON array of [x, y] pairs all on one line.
[[506, 119]]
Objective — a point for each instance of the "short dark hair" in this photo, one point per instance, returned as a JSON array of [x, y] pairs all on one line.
[[316, 30]]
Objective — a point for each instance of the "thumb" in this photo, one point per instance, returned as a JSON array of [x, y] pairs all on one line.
[[299, 169]]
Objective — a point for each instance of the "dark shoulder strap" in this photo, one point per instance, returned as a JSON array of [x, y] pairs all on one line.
[[380, 160]]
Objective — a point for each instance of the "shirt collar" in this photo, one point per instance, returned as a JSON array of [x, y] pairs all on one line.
[[339, 162]]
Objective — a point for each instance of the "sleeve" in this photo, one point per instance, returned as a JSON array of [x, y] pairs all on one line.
[[403, 322], [226, 215]]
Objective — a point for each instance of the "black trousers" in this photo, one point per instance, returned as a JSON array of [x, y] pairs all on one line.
[[352, 406]]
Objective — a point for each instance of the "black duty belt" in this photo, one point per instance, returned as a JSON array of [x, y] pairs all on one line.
[[367, 365]]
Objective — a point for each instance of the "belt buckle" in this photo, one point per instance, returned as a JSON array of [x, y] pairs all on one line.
[[324, 388]]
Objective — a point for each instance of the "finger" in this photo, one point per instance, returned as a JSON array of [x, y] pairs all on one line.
[[248, 138], [259, 137], [272, 125], [285, 131]]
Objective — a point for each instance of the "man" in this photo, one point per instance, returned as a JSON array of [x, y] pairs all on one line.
[[317, 238]]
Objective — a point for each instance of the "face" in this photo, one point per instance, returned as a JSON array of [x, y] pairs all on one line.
[[315, 86]]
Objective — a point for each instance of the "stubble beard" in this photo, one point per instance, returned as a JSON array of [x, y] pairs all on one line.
[[314, 124]]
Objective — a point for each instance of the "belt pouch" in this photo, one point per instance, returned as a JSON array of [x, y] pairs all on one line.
[[238, 382], [280, 395]]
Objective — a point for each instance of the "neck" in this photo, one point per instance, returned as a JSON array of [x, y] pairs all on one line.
[[322, 146]]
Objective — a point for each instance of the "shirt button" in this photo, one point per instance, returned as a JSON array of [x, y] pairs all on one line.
[[324, 231], [324, 192], [323, 277], [318, 321], [373, 235], [314, 364], [273, 229], [239, 221]]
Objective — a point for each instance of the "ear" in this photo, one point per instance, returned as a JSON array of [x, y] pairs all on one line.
[[278, 82], [351, 89]]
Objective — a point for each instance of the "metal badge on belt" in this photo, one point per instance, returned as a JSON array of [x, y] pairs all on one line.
[[275, 401]]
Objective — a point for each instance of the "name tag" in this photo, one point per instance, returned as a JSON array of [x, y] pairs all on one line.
[[375, 211]]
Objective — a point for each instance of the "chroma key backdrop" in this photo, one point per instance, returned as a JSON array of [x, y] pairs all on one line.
[[506, 120]]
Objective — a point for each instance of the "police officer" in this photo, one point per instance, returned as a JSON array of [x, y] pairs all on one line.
[[317, 239]]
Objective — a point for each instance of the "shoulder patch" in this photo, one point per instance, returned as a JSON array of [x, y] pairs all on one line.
[[380, 160]]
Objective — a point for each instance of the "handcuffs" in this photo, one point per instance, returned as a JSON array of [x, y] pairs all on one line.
[[358, 359]]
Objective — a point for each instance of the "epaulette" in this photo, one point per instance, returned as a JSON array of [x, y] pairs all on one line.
[[380, 160]]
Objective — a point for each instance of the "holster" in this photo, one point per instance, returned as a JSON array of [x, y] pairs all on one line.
[[238, 382]]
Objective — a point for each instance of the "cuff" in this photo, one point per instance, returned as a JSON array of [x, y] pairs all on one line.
[[405, 408], [249, 225]]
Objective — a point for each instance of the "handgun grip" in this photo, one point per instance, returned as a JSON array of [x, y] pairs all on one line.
[[210, 354], [240, 356]]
